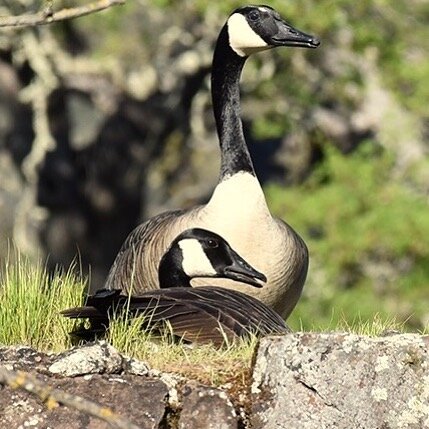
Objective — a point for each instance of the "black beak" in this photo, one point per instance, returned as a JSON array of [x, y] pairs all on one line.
[[289, 36], [241, 271]]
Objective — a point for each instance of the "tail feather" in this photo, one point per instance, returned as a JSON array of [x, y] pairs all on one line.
[[83, 313]]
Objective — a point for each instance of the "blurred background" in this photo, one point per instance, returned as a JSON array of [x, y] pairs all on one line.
[[106, 120]]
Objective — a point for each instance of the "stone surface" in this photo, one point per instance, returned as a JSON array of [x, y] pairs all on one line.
[[207, 408], [97, 372], [90, 359], [303, 380], [341, 381], [141, 400], [24, 358]]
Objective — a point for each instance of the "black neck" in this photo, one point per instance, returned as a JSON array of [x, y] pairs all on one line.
[[226, 72], [170, 273]]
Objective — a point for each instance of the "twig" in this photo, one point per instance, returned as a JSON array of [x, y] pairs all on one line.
[[47, 16], [53, 397]]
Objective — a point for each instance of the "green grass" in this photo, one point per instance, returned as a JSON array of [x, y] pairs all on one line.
[[30, 302], [375, 326]]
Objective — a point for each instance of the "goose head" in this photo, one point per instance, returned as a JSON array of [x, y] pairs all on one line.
[[257, 28], [197, 252]]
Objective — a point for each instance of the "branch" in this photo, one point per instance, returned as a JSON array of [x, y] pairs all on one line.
[[53, 397], [37, 93], [47, 16]]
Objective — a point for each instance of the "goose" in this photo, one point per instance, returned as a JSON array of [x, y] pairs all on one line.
[[207, 314], [237, 209]]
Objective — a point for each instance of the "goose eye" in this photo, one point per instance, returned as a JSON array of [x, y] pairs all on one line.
[[254, 15], [212, 243]]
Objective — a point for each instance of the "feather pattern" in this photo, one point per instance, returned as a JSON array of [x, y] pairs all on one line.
[[202, 315]]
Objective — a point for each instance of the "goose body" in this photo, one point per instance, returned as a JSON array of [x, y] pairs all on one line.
[[202, 315], [237, 209]]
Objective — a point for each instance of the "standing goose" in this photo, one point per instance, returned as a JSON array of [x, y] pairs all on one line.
[[202, 315], [237, 209]]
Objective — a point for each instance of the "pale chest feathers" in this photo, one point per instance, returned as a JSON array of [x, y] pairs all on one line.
[[238, 212], [239, 196], [237, 201]]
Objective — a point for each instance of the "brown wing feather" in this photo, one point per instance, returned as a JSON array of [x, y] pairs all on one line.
[[204, 314], [191, 318], [241, 312]]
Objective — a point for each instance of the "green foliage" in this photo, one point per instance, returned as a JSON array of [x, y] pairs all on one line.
[[395, 33], [30, 303], [366, 234]]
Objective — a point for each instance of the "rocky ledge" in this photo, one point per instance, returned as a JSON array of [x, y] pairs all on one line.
[[304, 380]]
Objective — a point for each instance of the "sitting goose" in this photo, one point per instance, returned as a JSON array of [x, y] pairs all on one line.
[[237, 210], [202, 315]]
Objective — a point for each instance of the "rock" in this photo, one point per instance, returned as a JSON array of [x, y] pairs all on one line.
[[141, 400], [303, 380], [135, 367], [204, 407], [96, 358], [97, 372], [22, 358], [341, 381]]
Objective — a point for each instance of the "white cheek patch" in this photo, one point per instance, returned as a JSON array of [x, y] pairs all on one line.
[[242, 39], [195, 262]]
